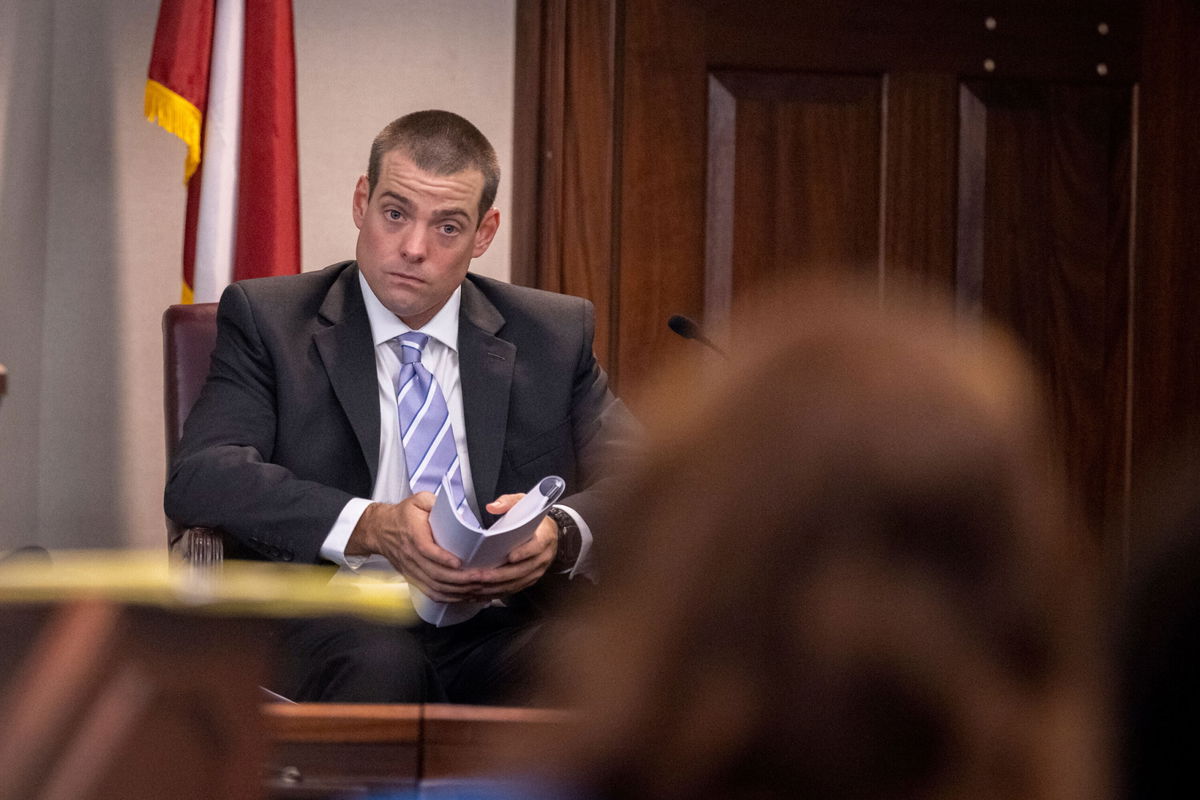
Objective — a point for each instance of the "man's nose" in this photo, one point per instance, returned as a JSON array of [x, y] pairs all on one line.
[[413, 243]]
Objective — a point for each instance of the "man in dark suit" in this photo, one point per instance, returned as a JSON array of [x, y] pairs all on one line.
[[293, 446]]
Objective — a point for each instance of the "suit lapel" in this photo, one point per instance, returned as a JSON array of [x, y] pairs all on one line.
[[485, 365], [348, 354]]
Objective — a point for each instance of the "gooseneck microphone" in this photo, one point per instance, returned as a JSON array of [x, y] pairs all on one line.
[[688, 328]]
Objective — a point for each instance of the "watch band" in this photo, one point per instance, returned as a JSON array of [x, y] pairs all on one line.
[[570, 540]]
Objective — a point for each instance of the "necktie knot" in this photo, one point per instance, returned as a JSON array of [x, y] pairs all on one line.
[[409, 346]]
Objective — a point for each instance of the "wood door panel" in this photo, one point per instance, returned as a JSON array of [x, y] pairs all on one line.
[[920, 173], [1055, 262], [803, 194]]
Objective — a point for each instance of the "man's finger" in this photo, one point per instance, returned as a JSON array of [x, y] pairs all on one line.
[[543, 539], [423, 500], [449, 577], [438, 590], [504, 502], [429, 550], [501, 590], [490, 579], [531, 549]]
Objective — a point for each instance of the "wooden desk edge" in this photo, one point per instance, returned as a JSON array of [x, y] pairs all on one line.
[[395, 723], [342, 722]]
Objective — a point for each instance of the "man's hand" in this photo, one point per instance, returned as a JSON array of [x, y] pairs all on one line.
[[526, 563], [400, 532]]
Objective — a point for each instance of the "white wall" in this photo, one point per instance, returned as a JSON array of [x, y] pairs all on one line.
[[91, 214], [387, 59], [25, 58], [112, 247]]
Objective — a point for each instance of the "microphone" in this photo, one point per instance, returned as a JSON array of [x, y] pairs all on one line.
[[688, 328]]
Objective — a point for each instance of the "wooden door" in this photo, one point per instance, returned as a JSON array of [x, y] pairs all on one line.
[[684, 150]]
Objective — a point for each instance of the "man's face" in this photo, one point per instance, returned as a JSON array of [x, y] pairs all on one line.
[[417, 235]]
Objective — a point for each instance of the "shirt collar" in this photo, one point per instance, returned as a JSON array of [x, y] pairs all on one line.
[[385, 325]]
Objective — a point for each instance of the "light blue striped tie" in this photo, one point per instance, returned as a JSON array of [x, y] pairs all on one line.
[[425, 430]]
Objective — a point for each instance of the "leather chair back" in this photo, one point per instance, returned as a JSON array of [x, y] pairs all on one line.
[[189, 335]]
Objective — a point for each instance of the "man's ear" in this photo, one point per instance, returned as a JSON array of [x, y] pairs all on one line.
[[486, 232], [362, 195]]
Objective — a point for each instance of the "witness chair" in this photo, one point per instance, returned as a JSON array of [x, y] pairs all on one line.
[[189, 335]]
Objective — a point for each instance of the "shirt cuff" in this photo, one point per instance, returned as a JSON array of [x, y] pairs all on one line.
[[334, 547], [583, 565]]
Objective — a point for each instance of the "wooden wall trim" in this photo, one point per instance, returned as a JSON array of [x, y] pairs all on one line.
[[972, 168], [567, 116], [661, 183], [526, 157], [1061, 40], [587, 263], [1165, 425], [918, 190], [719, 210]]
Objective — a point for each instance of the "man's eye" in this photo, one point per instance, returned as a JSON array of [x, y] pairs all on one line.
[[448, 229], [393, 214]]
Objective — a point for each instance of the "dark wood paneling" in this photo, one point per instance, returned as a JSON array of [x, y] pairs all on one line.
[[564, 155], [587, 164], [1044, 243], [805, 183], [1055, 39], [1055, 256], [1113, 520], [528, 107], [1165, 423], [719, 205], [661, 216], [553, 93], [972, 190], [920, 161]]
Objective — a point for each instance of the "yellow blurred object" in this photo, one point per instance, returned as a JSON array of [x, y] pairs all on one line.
[[238, 587]]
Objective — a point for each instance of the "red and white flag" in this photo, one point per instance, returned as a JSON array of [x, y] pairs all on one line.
[[223, 79]]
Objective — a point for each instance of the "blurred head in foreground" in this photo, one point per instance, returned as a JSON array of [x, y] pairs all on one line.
[[846, 571]]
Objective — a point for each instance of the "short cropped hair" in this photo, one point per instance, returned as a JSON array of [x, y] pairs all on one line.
[[439, 142]]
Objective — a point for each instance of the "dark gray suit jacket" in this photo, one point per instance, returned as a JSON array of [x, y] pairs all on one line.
[[286, 429]]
